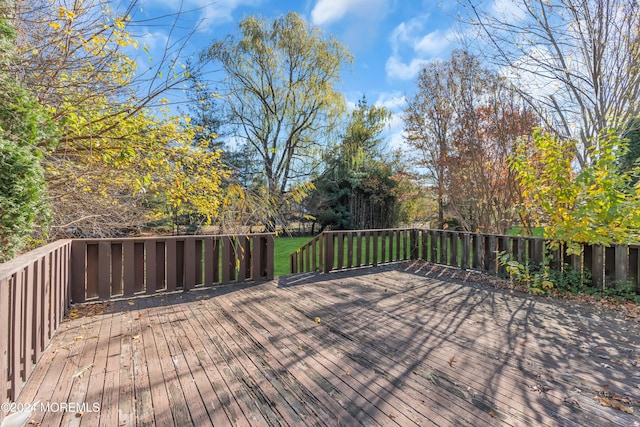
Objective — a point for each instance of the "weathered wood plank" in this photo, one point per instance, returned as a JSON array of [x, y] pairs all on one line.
[[109, 403], [164, 386], [143, 403]]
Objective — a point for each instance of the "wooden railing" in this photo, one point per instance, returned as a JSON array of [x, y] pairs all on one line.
[[106, 268], [37, 288], [34, 295], [608, 266], [335, 250]]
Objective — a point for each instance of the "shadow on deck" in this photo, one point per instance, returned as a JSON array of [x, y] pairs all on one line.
[[390, 345]]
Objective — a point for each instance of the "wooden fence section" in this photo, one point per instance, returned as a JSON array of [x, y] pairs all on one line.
[[106, 268], [335, 250], [33, 300], [608, 266]]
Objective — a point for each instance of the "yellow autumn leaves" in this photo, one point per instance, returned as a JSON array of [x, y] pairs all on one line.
[[594, 204]]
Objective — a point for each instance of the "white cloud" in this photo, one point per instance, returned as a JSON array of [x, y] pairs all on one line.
[[434, 43], [408, 39], [391, 100], [328, 11], [396, 69]]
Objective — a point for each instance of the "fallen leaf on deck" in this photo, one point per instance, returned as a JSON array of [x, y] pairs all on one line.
[[131, 303], [136, 337], [346, 371], [300, 347], [627, 409], [79, 338], [492, 414], [452, 361], [317, 320], [82, 370]]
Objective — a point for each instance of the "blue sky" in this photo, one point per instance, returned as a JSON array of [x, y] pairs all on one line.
[[390, 39]]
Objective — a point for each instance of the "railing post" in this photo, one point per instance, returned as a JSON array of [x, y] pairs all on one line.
[[314, 253], [634, 267], [340, 250], [150, 266], [538, 251], [293, 262], [443, 247], [328, 252], [478, 250], [425, 244], [78, 269], [490, 253], [5, 303], [244, 257], [374, 248], [466, 240], [435, 242], [597, 266], [522, 251], [453, 249], [621, 264], [414, 241], [270, 257]]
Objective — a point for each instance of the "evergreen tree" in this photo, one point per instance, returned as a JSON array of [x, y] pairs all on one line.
[[24, 129]]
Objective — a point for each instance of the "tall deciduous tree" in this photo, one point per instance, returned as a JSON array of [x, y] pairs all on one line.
[[119, 142], [280, 78], [575, 61], [464, 121], [429, 125]]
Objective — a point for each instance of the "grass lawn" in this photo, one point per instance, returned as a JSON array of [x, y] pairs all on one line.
[[283, 247]]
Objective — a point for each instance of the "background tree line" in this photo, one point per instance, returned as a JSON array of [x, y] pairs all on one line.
[[91, 145]]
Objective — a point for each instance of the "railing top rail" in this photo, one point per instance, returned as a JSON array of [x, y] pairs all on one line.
[[21, 261], [163, 238], [368, 230]]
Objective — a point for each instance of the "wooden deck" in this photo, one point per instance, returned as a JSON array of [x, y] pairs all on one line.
[[391, 345]]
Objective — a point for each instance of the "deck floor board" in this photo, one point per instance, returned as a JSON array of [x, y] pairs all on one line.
[[393, 345]]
